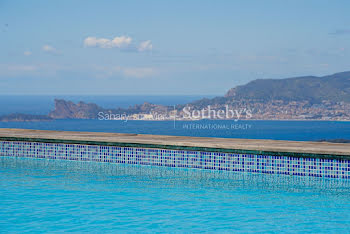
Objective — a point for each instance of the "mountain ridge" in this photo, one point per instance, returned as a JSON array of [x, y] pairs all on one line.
[[335, 88]]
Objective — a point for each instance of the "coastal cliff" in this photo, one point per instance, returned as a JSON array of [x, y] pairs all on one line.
[[69, 110]]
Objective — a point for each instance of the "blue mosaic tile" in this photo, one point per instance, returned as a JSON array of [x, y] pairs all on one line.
[[316, 167]]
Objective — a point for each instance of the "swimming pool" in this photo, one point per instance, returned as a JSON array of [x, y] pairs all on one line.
[[58, 195]]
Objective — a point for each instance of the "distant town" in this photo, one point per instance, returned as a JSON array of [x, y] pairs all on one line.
[[274, 110]]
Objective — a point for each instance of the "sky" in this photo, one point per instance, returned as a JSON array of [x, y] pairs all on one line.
[[182, 47]]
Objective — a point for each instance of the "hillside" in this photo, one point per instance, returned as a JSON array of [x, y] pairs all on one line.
[[334, 88]]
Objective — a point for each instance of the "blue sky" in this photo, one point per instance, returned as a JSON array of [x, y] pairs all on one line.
[[166, 47]]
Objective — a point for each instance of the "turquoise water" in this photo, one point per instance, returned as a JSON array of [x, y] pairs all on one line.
[[38, 195]]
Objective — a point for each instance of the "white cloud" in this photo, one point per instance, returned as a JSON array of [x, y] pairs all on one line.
[[118, 42], [46, 70], [21, 68], [122, 42], [139, 72], [145, 45], [27, 53], [49, 49], [12, 70], [129, 72], [39, 70]]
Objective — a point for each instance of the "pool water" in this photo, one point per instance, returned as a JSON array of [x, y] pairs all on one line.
[[41, 195]]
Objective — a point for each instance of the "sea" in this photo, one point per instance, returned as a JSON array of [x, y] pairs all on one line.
[[252, 129]]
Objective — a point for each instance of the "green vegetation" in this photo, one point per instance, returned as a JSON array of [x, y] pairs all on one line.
[[334, 88]]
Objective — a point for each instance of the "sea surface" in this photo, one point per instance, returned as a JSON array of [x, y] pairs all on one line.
[[41, 195], [276, 130]]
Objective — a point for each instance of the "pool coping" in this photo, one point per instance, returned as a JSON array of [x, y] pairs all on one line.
[[126, 140]]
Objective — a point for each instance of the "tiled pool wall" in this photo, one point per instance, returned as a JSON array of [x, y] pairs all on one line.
[[317, 167]]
